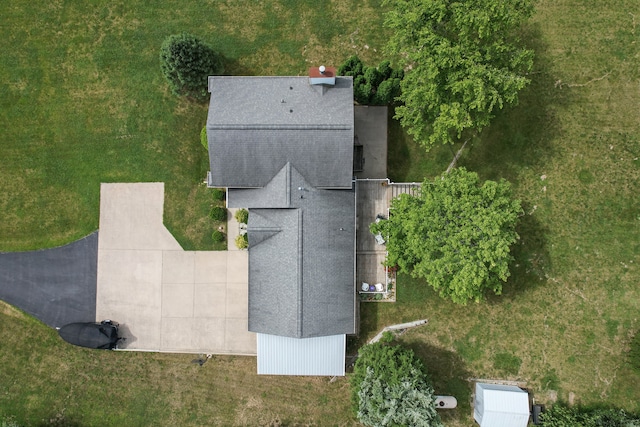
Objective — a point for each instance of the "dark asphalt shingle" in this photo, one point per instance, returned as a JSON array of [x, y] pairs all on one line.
[[301, 258], [256, 125], [284, 148]]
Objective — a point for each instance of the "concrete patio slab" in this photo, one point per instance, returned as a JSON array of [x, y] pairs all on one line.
[[165, 298]]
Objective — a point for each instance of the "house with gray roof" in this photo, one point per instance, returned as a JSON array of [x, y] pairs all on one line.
[[283, 146]]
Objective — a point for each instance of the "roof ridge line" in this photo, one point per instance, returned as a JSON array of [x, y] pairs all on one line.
[[265, 228], [258, 126], [288, 184]]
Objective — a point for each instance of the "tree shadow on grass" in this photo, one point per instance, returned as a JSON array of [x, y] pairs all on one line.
[[407, 161], [520, 136], [449, 376], [233, 67], [531, 259], [369, 326]]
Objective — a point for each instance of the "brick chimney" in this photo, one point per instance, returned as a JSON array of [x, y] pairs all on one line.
[[322, 75]]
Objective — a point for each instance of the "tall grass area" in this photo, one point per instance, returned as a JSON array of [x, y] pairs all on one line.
[[571, 148]]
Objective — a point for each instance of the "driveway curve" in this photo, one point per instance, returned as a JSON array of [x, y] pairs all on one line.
[[57, 285]]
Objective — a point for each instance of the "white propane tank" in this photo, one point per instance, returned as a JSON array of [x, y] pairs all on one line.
[[446, 402]]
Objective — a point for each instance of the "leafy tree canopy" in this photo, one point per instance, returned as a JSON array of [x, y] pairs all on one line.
[[371, 85], [187, 62], [456, 234], [390, 388], [464, 61]]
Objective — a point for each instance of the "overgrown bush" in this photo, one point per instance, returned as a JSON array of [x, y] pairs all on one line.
[[561, 416], [634, 352], [218, 194], [242, 216], [218, 236], [218, 213], [371, 85], [242, 241], [203, 138], [186, 63], [389, 388]]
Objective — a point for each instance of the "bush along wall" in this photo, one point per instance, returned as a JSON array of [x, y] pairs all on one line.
[[218, 213], [242, 241], [203, 138], [372, 85], [242, 216]]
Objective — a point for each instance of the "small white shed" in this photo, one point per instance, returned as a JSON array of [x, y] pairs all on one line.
[[501, 406]]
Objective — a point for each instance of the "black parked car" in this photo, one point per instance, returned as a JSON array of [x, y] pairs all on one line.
[[102, 335]]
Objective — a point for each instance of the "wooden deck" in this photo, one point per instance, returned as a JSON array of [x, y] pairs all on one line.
[[373, 198]]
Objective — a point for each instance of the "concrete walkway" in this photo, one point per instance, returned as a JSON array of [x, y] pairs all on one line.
[[167, 299]]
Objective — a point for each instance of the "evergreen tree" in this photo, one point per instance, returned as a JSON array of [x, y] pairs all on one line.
[[187, 62]]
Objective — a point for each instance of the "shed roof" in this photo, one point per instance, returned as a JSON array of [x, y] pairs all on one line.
[[307, 356], [499, 405], [256, 125]]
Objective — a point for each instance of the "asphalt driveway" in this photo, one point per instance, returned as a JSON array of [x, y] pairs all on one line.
[[57, 286]]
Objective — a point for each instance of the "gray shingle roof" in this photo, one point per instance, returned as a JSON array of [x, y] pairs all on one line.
[[256, 125], [301, 257]]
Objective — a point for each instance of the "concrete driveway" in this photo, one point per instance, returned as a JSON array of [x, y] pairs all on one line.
[[165, 298]]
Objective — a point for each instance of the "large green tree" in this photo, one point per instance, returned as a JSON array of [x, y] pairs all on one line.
[[390, 388], [187, 62], [463, 61], [456, 234]]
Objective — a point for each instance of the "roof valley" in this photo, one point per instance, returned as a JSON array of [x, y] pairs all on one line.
[[300, 275]]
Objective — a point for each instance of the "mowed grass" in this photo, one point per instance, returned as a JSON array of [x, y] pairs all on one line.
[[571, 149], [83, 101], [48, 382]]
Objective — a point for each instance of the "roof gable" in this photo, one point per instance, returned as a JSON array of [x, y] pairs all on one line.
[[301, 258], [256, 125]]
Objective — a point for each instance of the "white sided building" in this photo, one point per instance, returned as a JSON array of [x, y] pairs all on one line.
[[499, 405]]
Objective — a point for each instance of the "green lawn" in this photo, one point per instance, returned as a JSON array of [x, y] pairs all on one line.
[[83, 102], [571, 149]]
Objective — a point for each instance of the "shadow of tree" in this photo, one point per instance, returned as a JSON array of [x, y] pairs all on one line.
[[448, 374], [407, 161], [531, 259], [233, 67], [521, 136]]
